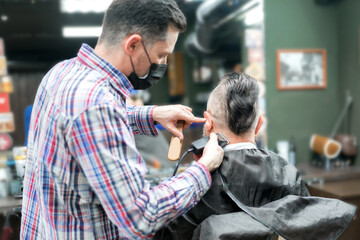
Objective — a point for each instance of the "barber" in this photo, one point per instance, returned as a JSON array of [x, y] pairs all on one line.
[[84, 177]]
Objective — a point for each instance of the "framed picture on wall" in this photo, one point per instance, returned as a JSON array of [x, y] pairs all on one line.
[[301, 69]]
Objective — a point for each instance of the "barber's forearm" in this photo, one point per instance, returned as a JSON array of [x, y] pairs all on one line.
[[173, 198]]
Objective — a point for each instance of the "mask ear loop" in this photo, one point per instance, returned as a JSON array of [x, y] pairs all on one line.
[[132, 64], [146, 51]]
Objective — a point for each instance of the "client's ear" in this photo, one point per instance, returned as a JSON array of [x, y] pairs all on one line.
[[209, 125], [259, 124]]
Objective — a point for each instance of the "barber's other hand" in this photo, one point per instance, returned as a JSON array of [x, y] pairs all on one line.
[[168, 116], [213, 154]]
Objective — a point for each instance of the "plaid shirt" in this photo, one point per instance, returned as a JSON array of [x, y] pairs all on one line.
[[84, 177]]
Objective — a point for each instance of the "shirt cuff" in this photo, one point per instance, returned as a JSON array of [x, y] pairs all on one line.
[[144, 120], [206, 171], [152, 122], [200, 176]]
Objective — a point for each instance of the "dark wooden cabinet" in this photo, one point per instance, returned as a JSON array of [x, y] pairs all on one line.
[[343, 184]]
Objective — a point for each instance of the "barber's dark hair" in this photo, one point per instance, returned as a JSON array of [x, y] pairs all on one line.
[[241, 101], [148, 18]]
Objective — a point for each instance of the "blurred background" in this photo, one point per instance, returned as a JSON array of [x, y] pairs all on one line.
[[303, 53]]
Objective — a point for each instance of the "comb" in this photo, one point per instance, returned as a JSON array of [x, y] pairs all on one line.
[[176, 144]]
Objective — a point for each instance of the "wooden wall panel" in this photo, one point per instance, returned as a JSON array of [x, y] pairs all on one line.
[[25, 86]]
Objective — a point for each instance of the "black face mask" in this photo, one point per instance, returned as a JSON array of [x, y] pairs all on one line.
[[156, 72]]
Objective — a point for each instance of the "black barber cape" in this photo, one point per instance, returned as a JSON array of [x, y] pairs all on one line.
[[271, 189]]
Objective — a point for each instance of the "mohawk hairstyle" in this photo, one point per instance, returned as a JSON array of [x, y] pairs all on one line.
[[235, 100]]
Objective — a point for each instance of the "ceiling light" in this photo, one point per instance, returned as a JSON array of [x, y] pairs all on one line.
[[4, 17], [79, 32], [254, 16], [84, 6]]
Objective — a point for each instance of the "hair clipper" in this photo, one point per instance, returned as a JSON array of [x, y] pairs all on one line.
[[197, 147]]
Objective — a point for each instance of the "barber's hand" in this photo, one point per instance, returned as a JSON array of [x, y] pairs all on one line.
[[213, 154], [168, 116]]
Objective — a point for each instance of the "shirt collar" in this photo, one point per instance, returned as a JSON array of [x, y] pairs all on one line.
[[116, 78], [239, 146]]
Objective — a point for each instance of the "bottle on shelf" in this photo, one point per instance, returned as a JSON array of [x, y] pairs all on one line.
[[292, 151]]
